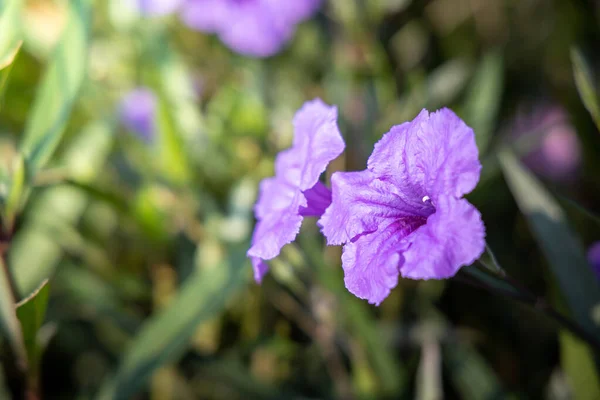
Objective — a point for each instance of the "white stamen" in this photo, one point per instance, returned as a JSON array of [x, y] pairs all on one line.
[[426, 198]]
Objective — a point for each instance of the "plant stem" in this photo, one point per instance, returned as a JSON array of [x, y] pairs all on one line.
[[527, 297]]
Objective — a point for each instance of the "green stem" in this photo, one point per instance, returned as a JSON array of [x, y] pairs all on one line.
[[522, 294]]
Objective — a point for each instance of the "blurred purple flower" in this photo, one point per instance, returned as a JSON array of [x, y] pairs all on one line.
[[554, 149], [256, 28], [295, 191], [405, 215], [593, 256], [157, 8], [138, 112]]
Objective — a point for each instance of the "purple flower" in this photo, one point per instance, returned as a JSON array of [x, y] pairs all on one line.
[[157, 8], [295, 191], [137, 112], [404, 215], [593, 256], [256, 28]]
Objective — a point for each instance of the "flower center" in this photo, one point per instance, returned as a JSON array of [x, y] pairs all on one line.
[[318, 198], [413, 222]]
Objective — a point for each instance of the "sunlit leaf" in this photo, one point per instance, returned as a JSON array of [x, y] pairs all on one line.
[[59, 88], [10, 32], [17, 184], [578, 362], [6, 68], [10, 38], [170, 145], [586, 85]]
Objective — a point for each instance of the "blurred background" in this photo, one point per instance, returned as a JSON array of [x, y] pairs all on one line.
[[131, 150]]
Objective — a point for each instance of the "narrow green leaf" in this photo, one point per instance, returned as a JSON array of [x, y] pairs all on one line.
[[31, 312], [559, 243], [7, 60], [10, 39], [484, 97], [59, 89], [11, 328], [15, 192], [6, 68], [586, 87], [10, 31], [165, 336], [170, 145]]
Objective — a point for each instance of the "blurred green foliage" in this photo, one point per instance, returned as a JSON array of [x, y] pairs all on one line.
[[123, 260]]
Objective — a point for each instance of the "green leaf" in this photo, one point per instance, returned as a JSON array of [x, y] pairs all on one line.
[[6, 68], [59, 89], [567, 261], [10, 39], [170, 145], [31, 312], [559, 243], [56, 207], [484, 98], [165, 336], [10, 33], [579, 365], [15, 192], [11, 328], [586, 87]]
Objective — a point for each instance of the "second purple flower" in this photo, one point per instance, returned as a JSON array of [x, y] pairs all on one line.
[[295, 191]]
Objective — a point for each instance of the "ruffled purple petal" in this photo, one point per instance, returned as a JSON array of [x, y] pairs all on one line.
[[445, 151], [274, 232], [278, 222], [454, 236], [361, 202], [371, 262], [317, 141], [389, 157], [275, 195], [435, 154]]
